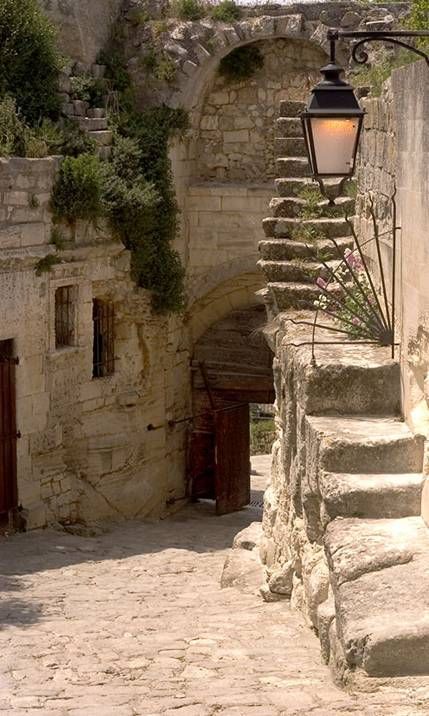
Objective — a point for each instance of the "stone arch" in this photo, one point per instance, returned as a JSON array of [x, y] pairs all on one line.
[[234, 293]]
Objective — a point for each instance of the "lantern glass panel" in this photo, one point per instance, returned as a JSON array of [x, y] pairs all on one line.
[[334, 140]]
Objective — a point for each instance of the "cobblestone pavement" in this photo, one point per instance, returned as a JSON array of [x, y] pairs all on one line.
[[133, 622]]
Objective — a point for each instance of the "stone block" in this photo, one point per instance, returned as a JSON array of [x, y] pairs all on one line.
[[236, 137]]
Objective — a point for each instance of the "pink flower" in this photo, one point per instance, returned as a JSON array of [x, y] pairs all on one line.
[[354, 262], [321, 282], [356, 321]]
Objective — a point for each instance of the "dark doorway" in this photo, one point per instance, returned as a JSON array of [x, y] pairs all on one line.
[[8, 432], [232, 368]]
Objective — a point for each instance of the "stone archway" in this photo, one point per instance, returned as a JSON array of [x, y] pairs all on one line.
[[231, 368]]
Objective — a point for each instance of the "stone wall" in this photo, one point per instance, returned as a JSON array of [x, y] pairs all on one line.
[[395, 150], [84, 451], [223, 227], [237, 122], [84, 25]]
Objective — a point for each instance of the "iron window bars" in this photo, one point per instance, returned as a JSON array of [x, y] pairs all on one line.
[[64, 316], [103, 316]]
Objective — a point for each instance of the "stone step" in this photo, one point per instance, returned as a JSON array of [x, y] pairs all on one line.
[[289, 127], [290, 207], [293, 294], [293, 167], [370, 496], [293, 186], [103, 137], [380, 579], [306, 229], [295, 271], [290, 108], [287, 249], [346, 379], [350, 444], [91, 124], [97, 112], [290, 147]]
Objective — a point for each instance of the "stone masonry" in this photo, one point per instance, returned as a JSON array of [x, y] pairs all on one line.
[[343, 530]]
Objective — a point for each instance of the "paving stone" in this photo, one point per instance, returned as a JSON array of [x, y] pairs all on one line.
[[139, 625]]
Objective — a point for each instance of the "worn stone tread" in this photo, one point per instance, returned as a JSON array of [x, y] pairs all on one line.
[[380, 577], [281, 249], [371, 495], [365, 444]]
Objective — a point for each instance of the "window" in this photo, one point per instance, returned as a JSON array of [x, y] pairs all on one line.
[[104, 346], [64, 316]]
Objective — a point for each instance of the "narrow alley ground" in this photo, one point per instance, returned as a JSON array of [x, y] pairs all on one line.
[[133, 622]]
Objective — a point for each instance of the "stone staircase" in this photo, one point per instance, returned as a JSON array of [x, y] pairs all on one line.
[[92, 120], [289, 253], [351, 468]]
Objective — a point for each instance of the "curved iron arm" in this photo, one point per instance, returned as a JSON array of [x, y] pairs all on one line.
[[360, 56], [395, 38]]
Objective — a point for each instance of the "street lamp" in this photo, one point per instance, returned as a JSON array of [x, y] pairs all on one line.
[[332, 121]]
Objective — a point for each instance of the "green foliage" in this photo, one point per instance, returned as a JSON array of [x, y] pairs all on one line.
[[159, 64], [77, 193], [88, 89], [29, 60], [241, 63], [46, 264], [419, 20], [307, 233], [262, 436], [12, 129], [188, 9], [58, 238], [226, 11], [312, 197], [375, 75]]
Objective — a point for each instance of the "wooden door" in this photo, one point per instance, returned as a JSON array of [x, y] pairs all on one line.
[[201, 465], [8, 436], [232, 459]]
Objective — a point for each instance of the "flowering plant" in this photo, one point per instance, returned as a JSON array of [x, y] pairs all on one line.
[[348, 295]]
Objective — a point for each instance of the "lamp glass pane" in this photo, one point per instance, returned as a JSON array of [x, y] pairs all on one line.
[[334, 141]]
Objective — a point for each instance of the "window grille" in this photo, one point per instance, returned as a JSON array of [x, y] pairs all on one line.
[[104, 339], [64, 316]]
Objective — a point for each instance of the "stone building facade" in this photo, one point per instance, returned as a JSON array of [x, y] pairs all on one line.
[[85, 452]]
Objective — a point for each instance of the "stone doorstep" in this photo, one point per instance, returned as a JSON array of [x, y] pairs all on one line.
[[293, 294], [374, 444], [290, 146], [380, 579], [288, 271], [289, 127], [290, 206], [284, 227], [286, 249], [370, 495], [289, 108], [294, 167]]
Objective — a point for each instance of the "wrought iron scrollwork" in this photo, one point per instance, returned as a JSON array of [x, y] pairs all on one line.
[[359, 54]]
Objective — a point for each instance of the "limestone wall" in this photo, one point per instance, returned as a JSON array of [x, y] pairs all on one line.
[[237, 121], [84, 25], [395, 150], [84, 451]]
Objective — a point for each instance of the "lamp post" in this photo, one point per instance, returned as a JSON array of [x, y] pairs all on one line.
[[333, 119]]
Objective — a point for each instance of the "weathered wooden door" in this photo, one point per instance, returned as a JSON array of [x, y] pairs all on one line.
[[8, 436], [232, 459], [201, 464]]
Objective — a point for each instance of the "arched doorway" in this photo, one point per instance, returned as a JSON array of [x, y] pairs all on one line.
[[231, 368]]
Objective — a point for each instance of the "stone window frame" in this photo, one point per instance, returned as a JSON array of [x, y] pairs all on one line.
[[73, 347]]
